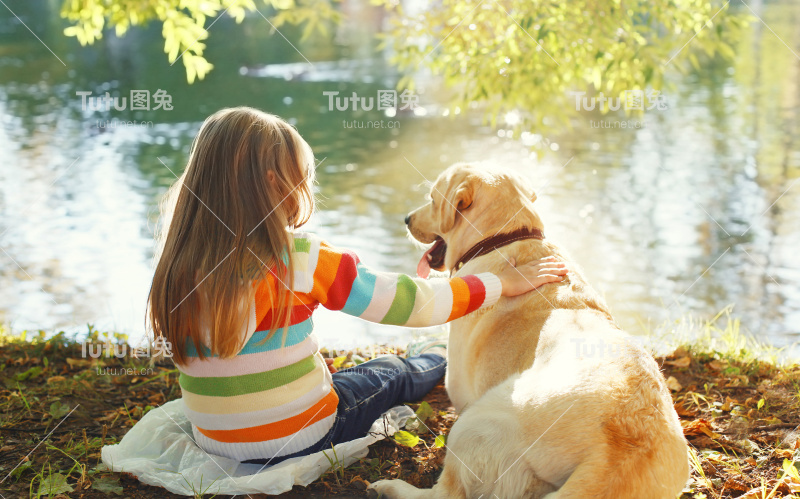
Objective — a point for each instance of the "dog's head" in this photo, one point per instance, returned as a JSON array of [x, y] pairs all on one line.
[[468, 204]]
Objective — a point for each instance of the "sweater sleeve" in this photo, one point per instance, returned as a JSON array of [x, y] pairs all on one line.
[[342, 282]]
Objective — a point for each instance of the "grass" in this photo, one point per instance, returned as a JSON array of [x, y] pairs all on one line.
[[739, 402], [721, 336], [337, 467]]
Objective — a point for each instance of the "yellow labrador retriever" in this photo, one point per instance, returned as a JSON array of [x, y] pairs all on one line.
[[557, 401]]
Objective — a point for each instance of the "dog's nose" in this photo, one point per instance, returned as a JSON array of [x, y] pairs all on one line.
[[408, 219]]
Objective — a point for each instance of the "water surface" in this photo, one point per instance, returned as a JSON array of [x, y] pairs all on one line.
[[690, 213]]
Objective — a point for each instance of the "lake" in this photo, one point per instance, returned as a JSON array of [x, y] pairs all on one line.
[[688, 209]]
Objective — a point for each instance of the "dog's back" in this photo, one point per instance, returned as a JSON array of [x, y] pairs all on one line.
[[490, 345]]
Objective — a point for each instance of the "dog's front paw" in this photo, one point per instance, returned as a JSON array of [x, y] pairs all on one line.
[[389, 489]]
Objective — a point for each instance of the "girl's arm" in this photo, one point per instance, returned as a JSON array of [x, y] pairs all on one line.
[[341, 282]]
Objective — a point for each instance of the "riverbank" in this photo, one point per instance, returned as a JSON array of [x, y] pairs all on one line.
[[738, 405]]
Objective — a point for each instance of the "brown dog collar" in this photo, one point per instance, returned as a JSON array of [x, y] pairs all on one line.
[[496, 241]]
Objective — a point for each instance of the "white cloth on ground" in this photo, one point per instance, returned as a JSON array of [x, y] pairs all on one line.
[[159, 451]]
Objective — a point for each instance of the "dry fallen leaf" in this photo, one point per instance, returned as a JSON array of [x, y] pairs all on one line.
[[790, 484], [681, 362], [737, 380], [682, 410], [758, 492], [78, 362], [156, 398], [109, 416], [673, 384], [698, 427], [680, 352], [734, 484]]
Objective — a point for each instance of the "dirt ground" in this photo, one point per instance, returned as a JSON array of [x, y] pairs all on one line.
[[740, 418]]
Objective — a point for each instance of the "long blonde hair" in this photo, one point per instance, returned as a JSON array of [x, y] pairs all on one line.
[[227, 223]]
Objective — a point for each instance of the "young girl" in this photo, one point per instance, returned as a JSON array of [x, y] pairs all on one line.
[[235, 288]]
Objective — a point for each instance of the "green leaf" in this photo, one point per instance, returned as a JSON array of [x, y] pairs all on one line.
[[790, 469], [19, 470], [424, 412], [53, 485], [58, 410], [440, 441], [237, 13], [202, 67], [406, 438], [760, 404], [282, 4], [416, 424], [108, 484], [30, 373], [188, 63]]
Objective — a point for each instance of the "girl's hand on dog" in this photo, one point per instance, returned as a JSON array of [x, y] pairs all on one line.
[[529, 276]]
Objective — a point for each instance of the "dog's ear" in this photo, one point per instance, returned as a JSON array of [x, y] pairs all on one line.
[[458, 197]]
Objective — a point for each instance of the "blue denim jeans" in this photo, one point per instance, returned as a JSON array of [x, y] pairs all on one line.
[[368, 390]]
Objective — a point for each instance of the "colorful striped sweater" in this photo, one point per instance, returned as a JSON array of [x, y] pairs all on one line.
[[274, 399]]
